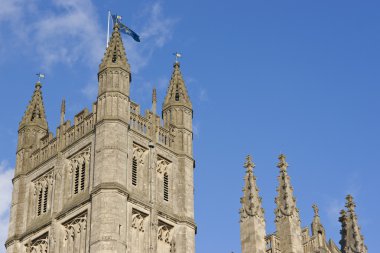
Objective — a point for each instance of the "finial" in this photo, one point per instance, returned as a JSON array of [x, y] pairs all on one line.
[[316, 210], [63, 111], [154, 101], [249, 165], [40, 76], [177, 56], [282, 164], [154, 95], [350, 204]]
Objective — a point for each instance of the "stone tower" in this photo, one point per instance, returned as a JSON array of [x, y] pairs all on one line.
[[289, 236], [114, 180]]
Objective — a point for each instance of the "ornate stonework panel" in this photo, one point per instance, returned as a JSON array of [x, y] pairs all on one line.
[[75, 230], [162, 165], [40, 245], [139, 153], [138, 220]]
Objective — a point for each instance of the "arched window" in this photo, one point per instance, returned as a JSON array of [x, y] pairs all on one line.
[[134, 171], [166, 187]]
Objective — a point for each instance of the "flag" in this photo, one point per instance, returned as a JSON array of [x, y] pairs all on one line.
[[125, 29], [40, 75]]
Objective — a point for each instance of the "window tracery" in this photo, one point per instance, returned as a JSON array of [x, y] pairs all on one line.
[[79, 167], [42, 193]]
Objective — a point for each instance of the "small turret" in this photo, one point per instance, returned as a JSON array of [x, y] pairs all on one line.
[[252, 222], [33, 125], [154, 101], [317, 228], [63, 111], [352, 240], [114, 70], [177, 111], [288, 222], [114, 79]]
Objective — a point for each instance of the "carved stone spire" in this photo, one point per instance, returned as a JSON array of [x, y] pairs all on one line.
[[317, 228], [251, 201], [287, 215], [35, 112], [154, 101], [115, 55], [63, 111], [352, 240], [177, 93], [252, 222], [286, 202], [114, 71]]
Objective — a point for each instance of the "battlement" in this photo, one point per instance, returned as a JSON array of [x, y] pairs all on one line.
[[84, 123], [67, 134]]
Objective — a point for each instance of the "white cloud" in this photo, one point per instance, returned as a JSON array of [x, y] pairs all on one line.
[[6, 175], [156, 30], [63, 33]]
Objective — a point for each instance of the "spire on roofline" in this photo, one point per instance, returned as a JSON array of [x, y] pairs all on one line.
[[35, 112], [251, 201], [352, 240], [286, 202], [115, 55], [177, 93]]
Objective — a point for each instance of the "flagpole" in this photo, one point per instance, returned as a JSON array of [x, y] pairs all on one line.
[[108, 27]]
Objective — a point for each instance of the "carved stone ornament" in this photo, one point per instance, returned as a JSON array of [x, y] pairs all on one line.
[[162, 165], [139, 153], [138, 222], [40, 245], [164, 233], [44, 181], [79, 159], [75, 227]]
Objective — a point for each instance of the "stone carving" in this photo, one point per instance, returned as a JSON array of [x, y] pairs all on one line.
[[139, 153], [75, 226], [40, 245], [42, 192], [164, 234], [80, 159], [138, 222], [162, 165]]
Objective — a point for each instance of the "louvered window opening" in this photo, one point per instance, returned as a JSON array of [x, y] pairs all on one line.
[[166, 187], [134, 171], [45, 199], [80, 178], [39, 203], [76, 181]]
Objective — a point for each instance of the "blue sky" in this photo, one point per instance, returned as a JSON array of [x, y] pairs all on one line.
[[298, 77]]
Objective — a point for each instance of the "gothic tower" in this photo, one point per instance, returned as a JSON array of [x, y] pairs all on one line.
[[113, 181]]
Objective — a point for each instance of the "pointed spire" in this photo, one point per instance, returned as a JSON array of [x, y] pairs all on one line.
[[154, 101], [252, 221], [35, 112], [177, 93], [352, 240], [286, 202], [63, 111], [287, 220], [115, 55], [251, 201], [317, 227]]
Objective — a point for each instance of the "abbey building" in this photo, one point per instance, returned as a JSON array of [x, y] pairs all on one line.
[[111, 181], [117, 181], [290, 237]]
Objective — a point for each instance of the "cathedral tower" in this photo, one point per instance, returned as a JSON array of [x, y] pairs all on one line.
[[113, 181]]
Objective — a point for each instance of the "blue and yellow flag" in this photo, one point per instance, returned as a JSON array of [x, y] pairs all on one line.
[[125, 29]]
